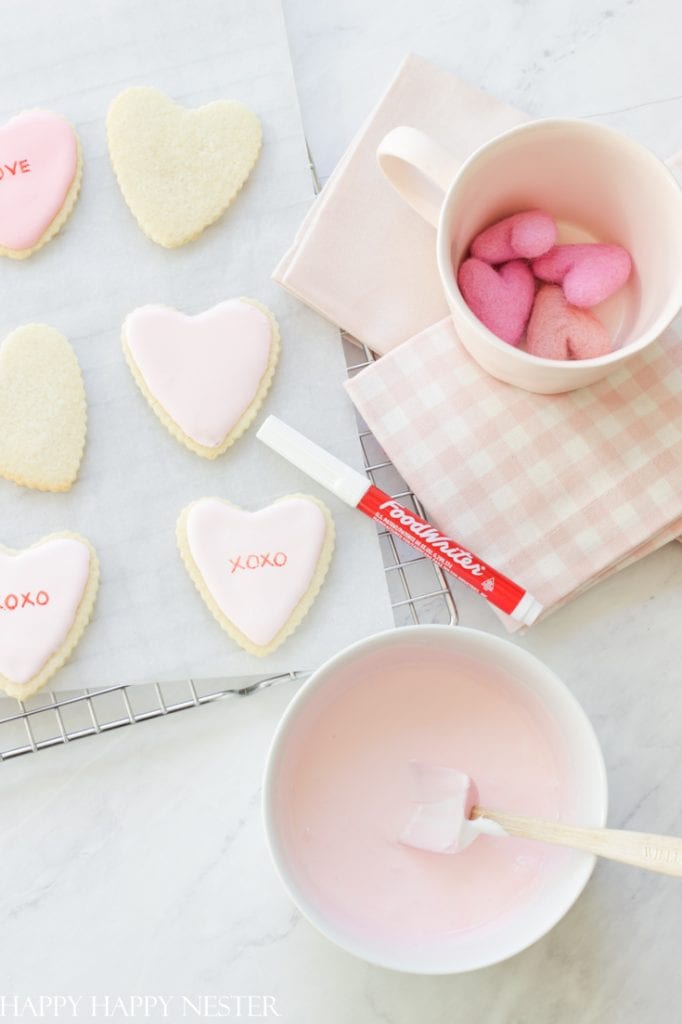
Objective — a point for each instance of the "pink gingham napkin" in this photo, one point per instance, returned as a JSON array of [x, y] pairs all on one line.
[[556, 491]]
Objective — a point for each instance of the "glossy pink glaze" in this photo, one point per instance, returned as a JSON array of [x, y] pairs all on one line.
[[205, 370], [345, 789], [40, 591], [38, 162]]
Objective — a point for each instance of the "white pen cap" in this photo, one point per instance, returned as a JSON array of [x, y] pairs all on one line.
[[343, 481]]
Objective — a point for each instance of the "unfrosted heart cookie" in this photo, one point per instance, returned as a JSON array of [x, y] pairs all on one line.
[[43, 414], [558, 330], [524, 235], [40, 175], [47, 593], [179, 169], [204, 376], [588, 272], [501, 299], [258, 572]]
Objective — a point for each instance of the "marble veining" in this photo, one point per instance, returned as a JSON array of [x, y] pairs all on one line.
[[135, 862]]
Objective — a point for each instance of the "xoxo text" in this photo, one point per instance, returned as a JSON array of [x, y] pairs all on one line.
[[10, 602], [256, 561]]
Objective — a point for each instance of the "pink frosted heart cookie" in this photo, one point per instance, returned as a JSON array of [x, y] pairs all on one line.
[[258, 572], [47, 593], [557, 330], [40, 175], [589, 273], [501, 299], [524, 235], [204, 376]]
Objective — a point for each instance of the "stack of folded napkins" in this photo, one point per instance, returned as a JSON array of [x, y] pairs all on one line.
[[556, 491]]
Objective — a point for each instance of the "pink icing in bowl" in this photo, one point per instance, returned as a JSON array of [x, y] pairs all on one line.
[[337, 796]]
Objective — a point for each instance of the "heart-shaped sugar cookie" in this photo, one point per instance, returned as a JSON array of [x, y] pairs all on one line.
[[47, 593], [179, 169], [501, 299], [40, 175], [204, 376], [258, 572], [588, 272], [558, 330], [43, 414]]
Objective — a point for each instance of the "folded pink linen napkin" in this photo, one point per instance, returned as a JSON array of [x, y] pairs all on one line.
[[555, 491], [362, 258]]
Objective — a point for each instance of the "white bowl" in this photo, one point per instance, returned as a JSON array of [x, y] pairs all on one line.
[[512, 932]]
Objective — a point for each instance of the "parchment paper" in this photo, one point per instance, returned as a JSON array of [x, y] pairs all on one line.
[[150, 624]]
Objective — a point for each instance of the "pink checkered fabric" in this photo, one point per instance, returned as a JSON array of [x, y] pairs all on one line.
[[556, 492]]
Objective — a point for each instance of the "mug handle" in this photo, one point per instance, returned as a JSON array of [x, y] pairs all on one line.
[[419, 168]]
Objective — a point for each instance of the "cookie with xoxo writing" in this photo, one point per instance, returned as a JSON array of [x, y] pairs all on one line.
[[47, 593], [258, 572]]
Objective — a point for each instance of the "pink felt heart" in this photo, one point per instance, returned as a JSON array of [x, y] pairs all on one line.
[[207, 372], [588, 273], [557, 330], [527, 234], [41, 590], [38, 163], [256, 569], [501, 299]]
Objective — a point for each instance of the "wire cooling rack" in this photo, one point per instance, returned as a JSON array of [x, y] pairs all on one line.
[[418, 589]]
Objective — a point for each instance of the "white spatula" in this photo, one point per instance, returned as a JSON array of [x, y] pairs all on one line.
[[447, 818]]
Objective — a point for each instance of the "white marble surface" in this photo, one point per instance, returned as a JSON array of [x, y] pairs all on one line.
[[135, 863]]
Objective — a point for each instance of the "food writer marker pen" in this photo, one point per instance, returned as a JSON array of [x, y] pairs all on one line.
[[354, 488]]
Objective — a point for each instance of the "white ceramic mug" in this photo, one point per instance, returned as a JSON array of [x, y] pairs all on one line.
[[462, 647], [598, 184]]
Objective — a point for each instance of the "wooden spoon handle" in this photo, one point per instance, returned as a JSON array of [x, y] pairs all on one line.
[[641, 849]]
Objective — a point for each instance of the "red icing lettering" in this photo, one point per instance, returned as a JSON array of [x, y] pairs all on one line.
[[10, 602], [13, 169], [258, 560]]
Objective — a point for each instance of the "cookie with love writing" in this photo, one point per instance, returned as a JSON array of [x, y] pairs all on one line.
[[179, 169], [47, 593], [43, 412], [40, 176], [258, 572], [204, 376]]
